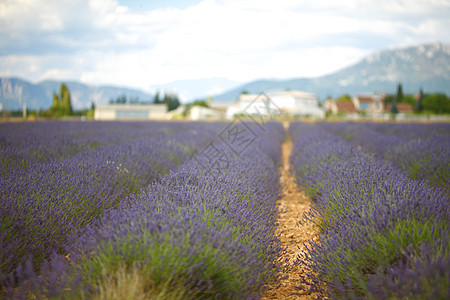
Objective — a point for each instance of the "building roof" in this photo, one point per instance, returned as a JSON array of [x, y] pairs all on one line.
[[294, 94], [365, 99], [345, 106], [161, 107], [401, 107], [370, 98], [251, 97]]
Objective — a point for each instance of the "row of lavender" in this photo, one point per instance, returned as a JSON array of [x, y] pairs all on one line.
[[422, 151], [205, 230], [57, 177], [25, 144], [382, 234]]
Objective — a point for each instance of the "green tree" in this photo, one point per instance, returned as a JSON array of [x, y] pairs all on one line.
[[389, 99], [171, 100], [344, 98], [55, 101], [409, 99], [66, 105], [436, 103], [400, 93], [61, 104], [202, 103], [156, 98], [122, 99], [394, 109], [199, 102]]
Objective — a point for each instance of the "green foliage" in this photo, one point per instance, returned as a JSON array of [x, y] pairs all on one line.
[[432, 103], [399, 92], [156, 99], [344, 98], [122, 99], [55, 100], [402, 240], [130, 283], [171, 100], [61, 105], [400, 97], [65, 101], [409, 99], [113, 256], [436, 103], [202, 103], [394, 109], [404, 99]]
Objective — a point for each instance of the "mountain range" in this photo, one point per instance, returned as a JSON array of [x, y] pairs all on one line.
[[14, 92], [425, 66]]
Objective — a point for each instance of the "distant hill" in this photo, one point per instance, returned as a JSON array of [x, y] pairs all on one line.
[[14, 92], [424, 66]]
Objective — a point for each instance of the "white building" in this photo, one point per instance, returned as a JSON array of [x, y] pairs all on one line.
[[131, 112], [197, 113], [273, 104], [259, 105], [297, 103]]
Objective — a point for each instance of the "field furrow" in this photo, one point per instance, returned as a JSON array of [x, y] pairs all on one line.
[[294, 232]]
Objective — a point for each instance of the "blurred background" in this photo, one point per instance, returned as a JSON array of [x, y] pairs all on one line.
[[105, 49]]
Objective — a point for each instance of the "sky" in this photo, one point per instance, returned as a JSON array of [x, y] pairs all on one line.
[[142, 44]]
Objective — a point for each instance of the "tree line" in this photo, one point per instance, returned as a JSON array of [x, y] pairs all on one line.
[[170, 99], [437, 103], [62, 103]]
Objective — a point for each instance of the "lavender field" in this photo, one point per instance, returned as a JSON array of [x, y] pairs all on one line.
[[381, 205], [153, 210], [188, 210]]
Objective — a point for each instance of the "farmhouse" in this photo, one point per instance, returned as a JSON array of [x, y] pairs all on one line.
[[340, 107], [290, 103], [131, 112], [254, 104], [297, 103], [371, 103], [197, 113]]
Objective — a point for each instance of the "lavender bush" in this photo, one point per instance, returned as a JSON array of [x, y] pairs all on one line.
[[422, 151], [203, 231], [50, 198], [379, 228]]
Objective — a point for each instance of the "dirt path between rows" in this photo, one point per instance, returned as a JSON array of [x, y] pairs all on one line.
[[292, 207]]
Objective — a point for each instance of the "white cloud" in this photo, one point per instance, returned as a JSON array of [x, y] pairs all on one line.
[[100, 41]]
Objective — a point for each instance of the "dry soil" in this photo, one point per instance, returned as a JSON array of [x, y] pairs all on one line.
[[292, 205]]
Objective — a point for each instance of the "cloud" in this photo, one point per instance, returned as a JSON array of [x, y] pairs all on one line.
[[102, 41]]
